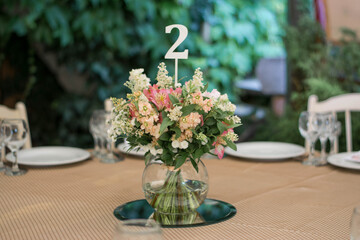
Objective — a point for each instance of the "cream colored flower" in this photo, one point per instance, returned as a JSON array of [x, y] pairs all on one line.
[[175, 113], [137, 80], [175, 144], [184, 145], [163, 80]]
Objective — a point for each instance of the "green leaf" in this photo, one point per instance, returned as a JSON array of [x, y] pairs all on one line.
[[165, 136], [173, 99], [166, 158], [230, 144], [177, 132], [221, 127], [213, 131], [210, 121], [188, 109], [147, 157], [233, 125], [180, 159], [206, 148], [198, 153], [165, 123], [194, 164]]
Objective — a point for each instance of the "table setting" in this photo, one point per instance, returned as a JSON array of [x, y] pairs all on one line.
[[254, 190]]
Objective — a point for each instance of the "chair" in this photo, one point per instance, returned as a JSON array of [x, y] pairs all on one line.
[[270, 81], [18, 112], [108, 105], [342, 103]]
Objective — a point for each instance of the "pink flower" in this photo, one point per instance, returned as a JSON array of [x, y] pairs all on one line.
[[197, 98], [190, 121], [155, 130], [214, 94], [144, 108], [162, 99], [207, 105], [150, 92], [219, 150], [132, 110]]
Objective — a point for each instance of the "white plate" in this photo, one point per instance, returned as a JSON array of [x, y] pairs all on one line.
[[340, 161], [272, 151], [49, 156], [123, 147]]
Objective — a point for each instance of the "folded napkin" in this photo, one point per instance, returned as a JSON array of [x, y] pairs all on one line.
[[355, 157]]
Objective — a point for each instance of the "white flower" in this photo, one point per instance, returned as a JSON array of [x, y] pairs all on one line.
[[231, 136], [197, 79], [146, 148], [213, 95], [195, 84], [175, 144], [224, 98], [225, 105], [137, 80], [164, 81], [202, 137], [153, 151], [234, 119], [132, 122], [175, 113], [184, 144], [143, 98]]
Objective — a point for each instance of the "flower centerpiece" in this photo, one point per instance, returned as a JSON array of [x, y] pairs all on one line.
[[175, 125]]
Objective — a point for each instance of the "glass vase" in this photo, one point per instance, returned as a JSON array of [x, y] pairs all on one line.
[[174, 192]]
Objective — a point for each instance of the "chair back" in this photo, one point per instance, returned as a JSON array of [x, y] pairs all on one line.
[[342, 103], [108, 105], [18, 112], [271, 72]]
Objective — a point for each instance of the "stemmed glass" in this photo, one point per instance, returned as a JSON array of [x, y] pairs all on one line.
[[355, 224], [19, 132], [99, 125], [327, 123], [93, 128], [5, 134], [309, 127], [336, 131], [105, 125]]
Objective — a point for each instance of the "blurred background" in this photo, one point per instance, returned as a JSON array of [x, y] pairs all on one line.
[[64, 58]]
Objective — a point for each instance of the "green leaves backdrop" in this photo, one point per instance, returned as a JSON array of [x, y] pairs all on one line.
[[75, 54]]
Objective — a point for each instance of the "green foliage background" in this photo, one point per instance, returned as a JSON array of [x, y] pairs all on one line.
[[104, 39]]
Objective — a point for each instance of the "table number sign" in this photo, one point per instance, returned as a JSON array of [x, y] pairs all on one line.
[[171, 54]]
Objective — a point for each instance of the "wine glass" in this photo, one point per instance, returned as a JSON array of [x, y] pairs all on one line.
[[336, 131], [5, 134], [105, 125], [94, 130], [355, 224], [327, 122], [309, 126], [19, 133], [138, 229]]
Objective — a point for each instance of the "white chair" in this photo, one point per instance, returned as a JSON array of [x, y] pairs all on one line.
[[18, 112], [108, 105], [342, 103]]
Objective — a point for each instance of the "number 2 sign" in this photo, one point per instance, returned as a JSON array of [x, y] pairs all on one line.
[[183, 32]]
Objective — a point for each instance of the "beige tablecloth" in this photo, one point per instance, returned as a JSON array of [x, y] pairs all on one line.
[[278, 200]]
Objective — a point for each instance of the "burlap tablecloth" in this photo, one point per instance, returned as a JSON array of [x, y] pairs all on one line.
[[278, 200]]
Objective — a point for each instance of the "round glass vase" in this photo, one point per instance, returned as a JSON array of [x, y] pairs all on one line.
[[175, 191]]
